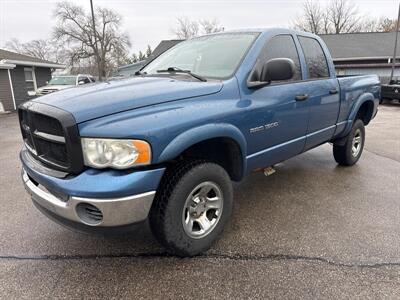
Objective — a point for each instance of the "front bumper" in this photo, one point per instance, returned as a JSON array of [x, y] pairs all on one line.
[[109, 212]]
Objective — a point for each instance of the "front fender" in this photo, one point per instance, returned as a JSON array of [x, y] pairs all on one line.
[[202, 133]]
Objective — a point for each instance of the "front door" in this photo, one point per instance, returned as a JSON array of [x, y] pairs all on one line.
[[278, 116]]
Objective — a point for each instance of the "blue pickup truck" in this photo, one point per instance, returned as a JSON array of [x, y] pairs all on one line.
[[165, 145]]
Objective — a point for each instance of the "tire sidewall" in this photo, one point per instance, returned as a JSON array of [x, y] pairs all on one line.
[[175, 234], [358, 124]]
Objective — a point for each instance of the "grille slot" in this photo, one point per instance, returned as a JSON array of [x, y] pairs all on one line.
[[47, 125], [52, 152]]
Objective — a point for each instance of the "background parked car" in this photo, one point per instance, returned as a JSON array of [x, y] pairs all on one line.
[[63, 82], [391, 91]]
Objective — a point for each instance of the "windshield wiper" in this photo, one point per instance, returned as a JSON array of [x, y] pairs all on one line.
[[178, 70]]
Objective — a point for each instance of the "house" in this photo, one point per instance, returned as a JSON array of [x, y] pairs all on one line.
[[130, 70], [364, 53], [20, 74]]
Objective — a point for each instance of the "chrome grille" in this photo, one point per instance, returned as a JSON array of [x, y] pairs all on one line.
[[47, 91], [51, 136], [44, 137]]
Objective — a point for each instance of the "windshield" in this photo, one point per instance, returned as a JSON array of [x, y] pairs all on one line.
[[215, 56], [63, 80]]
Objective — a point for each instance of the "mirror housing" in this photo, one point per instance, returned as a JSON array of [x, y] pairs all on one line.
[[275, 69], [80, 82]]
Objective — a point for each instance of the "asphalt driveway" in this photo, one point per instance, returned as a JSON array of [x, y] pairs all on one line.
[[311, 230]]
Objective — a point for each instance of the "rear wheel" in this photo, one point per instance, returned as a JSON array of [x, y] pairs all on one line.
[[349, 153], [191, 208]]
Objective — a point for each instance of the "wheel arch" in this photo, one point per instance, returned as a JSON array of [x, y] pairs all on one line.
[[221, 143], [364, 109]]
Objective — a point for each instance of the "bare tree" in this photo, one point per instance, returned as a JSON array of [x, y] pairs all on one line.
[[210, 26], [313, 19], [43, 49], [387, 25], [16, 46], [368, 25], [344, 16], [186, 28], [75, 28], [337, 16]]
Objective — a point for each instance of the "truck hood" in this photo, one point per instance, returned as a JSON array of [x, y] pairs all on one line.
[[92, 101]]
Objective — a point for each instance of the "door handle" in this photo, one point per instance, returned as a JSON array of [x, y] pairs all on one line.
[[333, 91], [302, 97]]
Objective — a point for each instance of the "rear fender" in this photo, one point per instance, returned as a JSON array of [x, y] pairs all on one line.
[[354, 111]]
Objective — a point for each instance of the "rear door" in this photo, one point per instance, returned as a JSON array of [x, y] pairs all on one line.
[[277, 120], [322, 93]]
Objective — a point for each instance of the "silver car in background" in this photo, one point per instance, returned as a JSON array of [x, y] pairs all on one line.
[[62, 82]]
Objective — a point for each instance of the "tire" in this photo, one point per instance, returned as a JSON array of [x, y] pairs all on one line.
[[347, 155], [177, 222]]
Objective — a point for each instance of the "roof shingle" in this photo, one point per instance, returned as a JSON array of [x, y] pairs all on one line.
[[8, 55], [361, 45]]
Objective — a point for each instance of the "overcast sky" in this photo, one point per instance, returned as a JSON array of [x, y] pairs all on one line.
[[149, 21]]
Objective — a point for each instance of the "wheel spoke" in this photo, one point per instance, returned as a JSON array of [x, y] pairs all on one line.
[[204, 222], [205, 190], [189, 223], [214, 203]]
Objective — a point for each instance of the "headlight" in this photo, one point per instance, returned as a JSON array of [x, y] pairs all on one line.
[[113, 153]]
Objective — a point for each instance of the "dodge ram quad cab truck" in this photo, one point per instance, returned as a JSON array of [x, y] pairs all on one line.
[[165, 145]]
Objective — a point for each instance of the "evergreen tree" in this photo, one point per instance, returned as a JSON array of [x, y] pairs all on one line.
[[134, 58], [142, 56], [148, 51]]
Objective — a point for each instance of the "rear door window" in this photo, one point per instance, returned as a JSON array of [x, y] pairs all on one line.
[[315, 58]]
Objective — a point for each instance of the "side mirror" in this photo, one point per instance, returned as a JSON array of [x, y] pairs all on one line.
[[273, 70], [277, 69], [47, 82], [81, 82]]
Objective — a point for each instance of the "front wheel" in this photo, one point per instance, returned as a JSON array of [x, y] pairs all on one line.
[[191, 208], [350, 152]]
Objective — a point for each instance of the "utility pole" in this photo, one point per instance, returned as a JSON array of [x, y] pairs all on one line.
[[98, 59], [395, 46]]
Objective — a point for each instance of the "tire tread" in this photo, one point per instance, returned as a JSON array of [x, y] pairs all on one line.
[[167, 185]]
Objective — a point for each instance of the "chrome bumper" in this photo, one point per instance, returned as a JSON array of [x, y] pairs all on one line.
[[93, 212]]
